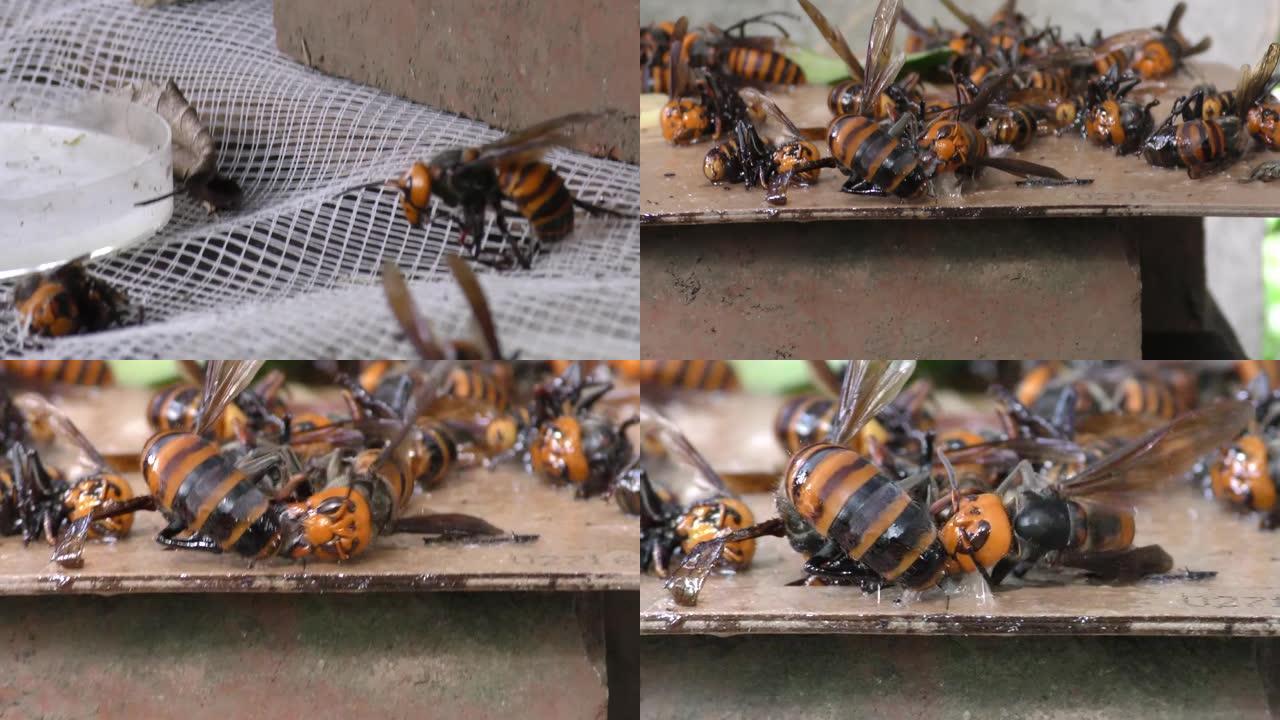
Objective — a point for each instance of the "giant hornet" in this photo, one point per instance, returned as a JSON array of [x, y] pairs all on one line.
[[38, 501], [837, 508], [377, 483], [748, 159], [749, 58], [564, 441], [1110, 119], [703, 102], [1262, 115], [1263, 122], [503, 174], [878, 160], [1156, 392], [68, 300], [476, 395], [1152, 54], [693, 512], [219, 501], [1076, 522], [883, 99], [256, 409], [1244, 475], [1206, 145], [806, 419], [710, 375], [1004, 35], [960, 147], [560, 437]]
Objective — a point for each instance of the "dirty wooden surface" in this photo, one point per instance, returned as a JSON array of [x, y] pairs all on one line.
[[674, 190], [1243, 600], [584, 545]]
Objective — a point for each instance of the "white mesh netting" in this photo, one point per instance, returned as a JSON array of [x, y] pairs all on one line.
[[294, 272]]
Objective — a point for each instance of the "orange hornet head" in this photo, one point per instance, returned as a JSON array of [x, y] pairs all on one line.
[[684, 121], [704, 521], [987, 533], [92, 493], [333, 524], [415, 192]]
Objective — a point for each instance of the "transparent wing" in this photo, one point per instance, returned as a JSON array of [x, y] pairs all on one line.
[[536, 138], [414, 324], [36, 406], [836, 40], [709, 483], [224, 380], [755, 97], [480, 312], [1257, 82], [868, 386], [1164, 454]]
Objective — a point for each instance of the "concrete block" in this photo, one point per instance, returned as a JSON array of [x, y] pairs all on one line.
[[999, 289], [455, 655], [509, 64], [1052, 678]]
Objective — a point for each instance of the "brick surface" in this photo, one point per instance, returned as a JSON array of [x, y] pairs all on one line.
[[510, 63], [957, 289]]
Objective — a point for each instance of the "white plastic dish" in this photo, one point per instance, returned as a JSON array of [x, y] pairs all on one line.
[[70, 182]]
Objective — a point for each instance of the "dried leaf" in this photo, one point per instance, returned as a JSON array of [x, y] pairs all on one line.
[[195, 153]]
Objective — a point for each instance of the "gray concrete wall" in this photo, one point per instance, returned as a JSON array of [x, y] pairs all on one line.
[[1233, 262]]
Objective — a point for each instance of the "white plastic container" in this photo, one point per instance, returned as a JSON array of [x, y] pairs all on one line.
[[70, 182]]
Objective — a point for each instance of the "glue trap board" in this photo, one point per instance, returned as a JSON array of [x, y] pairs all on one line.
[[583, 545], [674, 190], [734, 432]]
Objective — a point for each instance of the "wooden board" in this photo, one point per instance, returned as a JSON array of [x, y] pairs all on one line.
[[674, 190], [1243, 600], [584, 545]]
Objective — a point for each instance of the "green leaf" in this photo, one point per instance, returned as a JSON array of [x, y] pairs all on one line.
[[144, 373], [823, 69], [772, 376]]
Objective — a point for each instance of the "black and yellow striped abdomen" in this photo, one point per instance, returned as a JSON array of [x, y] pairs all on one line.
[[1158, 58], [470, 383], [709, 375], [1101, 527], [1202, 142], [1017, 128], [95, 373], [762, 65], [173, 408], [541, 197], [393, 489], [433, 453], [867, 150], [1153, 398], [1056, 81], [1104, 62], [803, 421], [196, 485], [848, 500]]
